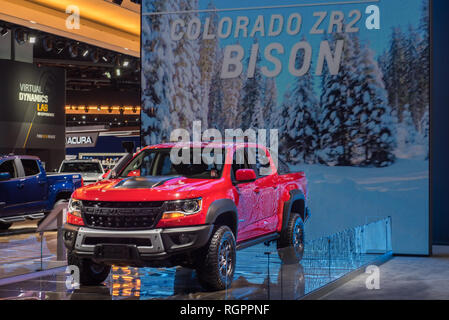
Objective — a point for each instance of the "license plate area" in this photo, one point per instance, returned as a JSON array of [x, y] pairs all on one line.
[[115, 251]]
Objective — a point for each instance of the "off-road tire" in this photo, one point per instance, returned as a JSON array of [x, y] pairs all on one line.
[[291, 243], [5, 226], [91, 273], [216, 270]]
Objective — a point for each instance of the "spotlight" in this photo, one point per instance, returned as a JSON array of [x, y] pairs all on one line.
[[32, 39], [85, 53], [48, 44], [21, 36], [118, 72], [126, 63], [95, 56], [73, 50], [4, 32], [108, 74], [117, 61], [104, 58]]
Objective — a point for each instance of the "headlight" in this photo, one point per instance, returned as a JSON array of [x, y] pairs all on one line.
[[75, 207], [180, 208]]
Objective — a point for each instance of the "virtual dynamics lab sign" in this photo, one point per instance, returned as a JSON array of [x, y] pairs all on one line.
[[32, 106]]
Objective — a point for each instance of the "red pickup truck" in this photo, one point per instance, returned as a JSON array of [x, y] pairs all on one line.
[[161, 213]]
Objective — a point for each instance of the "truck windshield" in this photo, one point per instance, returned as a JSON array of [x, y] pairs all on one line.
[[81, 167], [159, 163]]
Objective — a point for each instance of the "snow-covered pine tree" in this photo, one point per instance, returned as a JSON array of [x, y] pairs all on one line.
[[416, 92], [407, 135], [396, 78], [232, 90], [270, 93], [373, 116], [424, 56], [251, 98], [187, 77], [208, 52], [157, 74], [425, 132], [302, 127], [215, 116], [280, 119], [336, 107]]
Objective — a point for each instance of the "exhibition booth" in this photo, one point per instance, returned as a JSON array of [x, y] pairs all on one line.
[[338, 92]]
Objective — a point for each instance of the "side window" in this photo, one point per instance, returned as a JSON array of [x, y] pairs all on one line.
[[30, 167], [10, 167], [260, 161]]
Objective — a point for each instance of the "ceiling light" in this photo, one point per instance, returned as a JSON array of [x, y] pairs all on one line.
[[48, 44], [21, 36], [107, 74], [118, 72], [73, 50], [32, 39], [4, 32], [126, 63], [95, 56], [85, 53]]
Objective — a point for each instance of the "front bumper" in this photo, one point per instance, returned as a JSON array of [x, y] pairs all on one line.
[[155, 247]]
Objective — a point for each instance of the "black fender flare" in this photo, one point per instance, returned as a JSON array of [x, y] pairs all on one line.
[[294, 196], [219, 207]]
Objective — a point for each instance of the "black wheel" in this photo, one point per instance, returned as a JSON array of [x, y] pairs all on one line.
[[216, 271], [291, 243], [91, 273], [4, 226]]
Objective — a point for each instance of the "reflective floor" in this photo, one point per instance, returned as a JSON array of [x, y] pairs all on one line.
[[20, 250], [259, 275]]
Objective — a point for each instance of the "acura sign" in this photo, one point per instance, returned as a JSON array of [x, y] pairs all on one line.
[[81, 140]]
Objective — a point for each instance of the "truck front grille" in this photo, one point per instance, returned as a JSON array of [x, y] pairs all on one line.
[[122, 215]]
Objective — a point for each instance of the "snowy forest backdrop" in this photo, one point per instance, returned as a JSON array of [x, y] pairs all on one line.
[[375, 110]]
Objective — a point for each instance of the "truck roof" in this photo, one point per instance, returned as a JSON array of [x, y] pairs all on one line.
[[13, 156], [212, 144]]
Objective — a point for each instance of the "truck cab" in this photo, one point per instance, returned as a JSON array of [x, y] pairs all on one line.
[[27, 192]]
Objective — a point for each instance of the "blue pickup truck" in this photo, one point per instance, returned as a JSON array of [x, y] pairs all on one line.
[[27, 192]]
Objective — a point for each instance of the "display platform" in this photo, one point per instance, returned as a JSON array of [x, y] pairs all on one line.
[[260, 274]]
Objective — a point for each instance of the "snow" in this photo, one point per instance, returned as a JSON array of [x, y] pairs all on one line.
[[343, 197]]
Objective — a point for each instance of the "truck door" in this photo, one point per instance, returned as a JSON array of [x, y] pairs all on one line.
[[10, 196], [247, 197], [36, 188], [266, 187]]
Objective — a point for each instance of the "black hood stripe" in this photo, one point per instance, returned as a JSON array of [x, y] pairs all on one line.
[[143, 182]]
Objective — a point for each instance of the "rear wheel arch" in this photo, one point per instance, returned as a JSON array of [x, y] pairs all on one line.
[[296, 204]]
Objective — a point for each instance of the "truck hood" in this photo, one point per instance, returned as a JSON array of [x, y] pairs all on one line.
[[146, 189]]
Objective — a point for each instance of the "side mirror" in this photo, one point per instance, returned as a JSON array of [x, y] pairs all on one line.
[[105, 175], [4, 176], [134, 173], [245, 175]]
